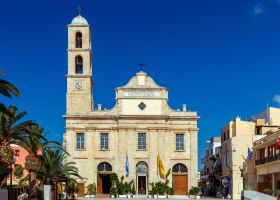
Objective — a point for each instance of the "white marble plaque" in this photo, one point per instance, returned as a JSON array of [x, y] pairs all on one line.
[[141, 93], [47, 192]]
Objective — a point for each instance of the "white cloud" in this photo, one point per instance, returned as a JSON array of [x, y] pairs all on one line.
[[258, 9], [276, 98], [262, 7]]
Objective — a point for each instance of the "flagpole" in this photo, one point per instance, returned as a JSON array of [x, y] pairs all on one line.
[[158, 154]]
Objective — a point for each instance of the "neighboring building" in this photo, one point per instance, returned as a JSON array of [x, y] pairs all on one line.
[[19, 157], [267, 162], [141, 126], [211, 172], [237, 136]]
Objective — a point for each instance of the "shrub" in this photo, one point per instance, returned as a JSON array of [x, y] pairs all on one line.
[[125, 187], [267, 191], [114, 179], [161, 188], [194, 191], [114, 191], [133, 189], [91, 189], [18, 172], [170, 191]]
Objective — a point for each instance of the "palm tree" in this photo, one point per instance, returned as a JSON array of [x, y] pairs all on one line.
[[55, 169], [11, 131], [8, 89], [34, 143]]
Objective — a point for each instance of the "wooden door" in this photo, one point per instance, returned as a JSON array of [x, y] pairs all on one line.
[[180, 184], [81, 192], [142, 185], [99, 184]]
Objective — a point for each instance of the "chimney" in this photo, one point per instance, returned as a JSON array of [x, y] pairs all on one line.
[[99, 107], [184, 108]]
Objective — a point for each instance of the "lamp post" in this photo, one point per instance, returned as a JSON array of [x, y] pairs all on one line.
[[11, 180]]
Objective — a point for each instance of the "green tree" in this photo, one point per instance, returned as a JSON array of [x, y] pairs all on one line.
[[12, 130], [8, 89], [34, 143], [55, 167], [18, 171]]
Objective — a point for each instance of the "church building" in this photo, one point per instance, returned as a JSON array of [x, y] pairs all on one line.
[[133, 133]]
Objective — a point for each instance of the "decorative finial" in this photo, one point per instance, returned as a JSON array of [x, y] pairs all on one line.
[[79, 8], [141, 65]]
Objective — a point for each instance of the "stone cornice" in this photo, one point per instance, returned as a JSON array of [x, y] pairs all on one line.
[[78, 76], [79, 50], [148, 129], [142, 117]]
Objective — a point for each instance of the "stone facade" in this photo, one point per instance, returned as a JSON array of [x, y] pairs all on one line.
[[141, 107], [267, 162], [237, 136]]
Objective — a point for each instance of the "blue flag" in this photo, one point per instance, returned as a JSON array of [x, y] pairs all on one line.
[[126, 166], [250, 154]]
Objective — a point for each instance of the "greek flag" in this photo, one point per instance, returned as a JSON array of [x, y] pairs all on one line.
[[126, 166], [250, 154]]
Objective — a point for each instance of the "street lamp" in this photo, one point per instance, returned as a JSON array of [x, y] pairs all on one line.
[[11, 179]]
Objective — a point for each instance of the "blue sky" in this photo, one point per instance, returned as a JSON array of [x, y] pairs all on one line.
[[219, 57]]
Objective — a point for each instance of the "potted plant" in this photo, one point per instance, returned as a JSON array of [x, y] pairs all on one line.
[[276, 193], [133, 190], [114, 179], [267, 191], [91, 190], [193, 192], [114, 192], [170, 192]]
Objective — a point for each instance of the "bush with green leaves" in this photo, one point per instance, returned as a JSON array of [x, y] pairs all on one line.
[[91, 189], [276, 192], [194, 191], [170, 191], [114, 191], [267, 191], [124, 187], [133, 189], [161, 188], [18, 171], [114, 179]]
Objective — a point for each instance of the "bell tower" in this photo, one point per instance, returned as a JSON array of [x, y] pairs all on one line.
[[79, 78]]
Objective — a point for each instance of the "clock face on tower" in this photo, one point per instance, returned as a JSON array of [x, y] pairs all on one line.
[[78, 85]]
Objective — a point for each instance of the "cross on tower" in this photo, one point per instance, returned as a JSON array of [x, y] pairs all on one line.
[[141, 65]]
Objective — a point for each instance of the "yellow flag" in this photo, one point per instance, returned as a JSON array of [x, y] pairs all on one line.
[[160, 167], [59, 188]]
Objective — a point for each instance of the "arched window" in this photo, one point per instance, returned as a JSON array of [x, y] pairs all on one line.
[[104, 166], [79, 40], [79, 65], [141, 167], [179, 168]]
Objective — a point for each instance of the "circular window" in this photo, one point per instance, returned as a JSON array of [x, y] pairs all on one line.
[[142, 106]]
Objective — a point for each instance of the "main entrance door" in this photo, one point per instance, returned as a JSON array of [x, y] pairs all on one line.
[[180, 179], [104, 184], [142, 178], [142, 187]]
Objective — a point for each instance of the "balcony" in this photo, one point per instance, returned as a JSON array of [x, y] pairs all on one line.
[[261, 161], [267, 159]]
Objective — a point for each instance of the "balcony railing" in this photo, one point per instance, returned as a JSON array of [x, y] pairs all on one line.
[[261, 161], [268, 159]]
